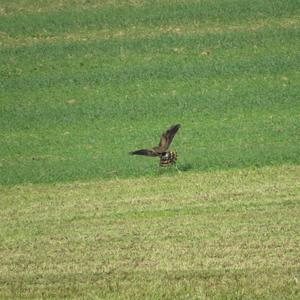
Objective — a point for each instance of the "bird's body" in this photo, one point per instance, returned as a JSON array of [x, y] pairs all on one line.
[[167, 157]]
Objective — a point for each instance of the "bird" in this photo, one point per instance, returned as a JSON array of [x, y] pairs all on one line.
[[166, 156]]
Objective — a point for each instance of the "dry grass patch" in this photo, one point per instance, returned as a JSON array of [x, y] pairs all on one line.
[[217, 234]]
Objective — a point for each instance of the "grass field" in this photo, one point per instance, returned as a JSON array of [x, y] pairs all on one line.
[[84, 82], [222, 235]]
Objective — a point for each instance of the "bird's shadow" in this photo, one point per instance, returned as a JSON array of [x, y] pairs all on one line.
[[184, 167]]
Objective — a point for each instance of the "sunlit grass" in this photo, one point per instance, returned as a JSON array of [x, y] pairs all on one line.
[[223, 234], [84, 82]]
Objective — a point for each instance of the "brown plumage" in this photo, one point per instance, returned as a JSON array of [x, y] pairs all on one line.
[[166, 157]]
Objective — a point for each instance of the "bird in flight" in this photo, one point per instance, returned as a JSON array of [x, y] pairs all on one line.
[[166, 156]]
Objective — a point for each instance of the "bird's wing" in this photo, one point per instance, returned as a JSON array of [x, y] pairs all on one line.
[[146, 152], [167, 137]]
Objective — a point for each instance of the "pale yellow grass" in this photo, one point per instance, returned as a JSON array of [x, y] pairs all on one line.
[[214, 234]]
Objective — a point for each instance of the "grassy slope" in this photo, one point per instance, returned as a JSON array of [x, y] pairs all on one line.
[[223, 234], [82, 83]]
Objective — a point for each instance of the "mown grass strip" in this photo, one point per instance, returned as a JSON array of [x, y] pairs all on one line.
[[213, 234], [139, 32], [70, 19]]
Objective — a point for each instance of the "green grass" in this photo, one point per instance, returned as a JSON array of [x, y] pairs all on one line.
[[82, 83], [212, 235]]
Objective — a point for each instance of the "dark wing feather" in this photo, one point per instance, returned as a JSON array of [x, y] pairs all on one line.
[[145, 152], [167, 138]]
